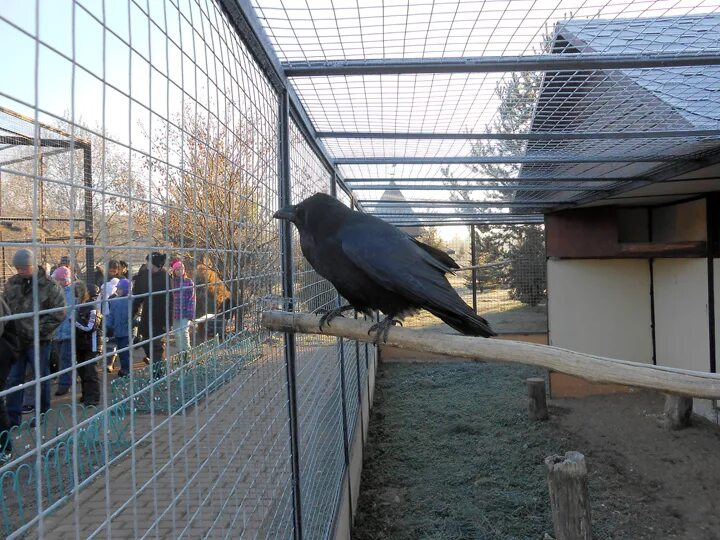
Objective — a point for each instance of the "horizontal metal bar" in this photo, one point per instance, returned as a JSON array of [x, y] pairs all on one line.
[[528, 158], [517, 187], [438, 216], [48, 240], [461, 215], [40, 218], [19, 140], [536, 136], [351, 181], [454, 219], [666, 174], [499, 64], [520, 221], [374, 204]]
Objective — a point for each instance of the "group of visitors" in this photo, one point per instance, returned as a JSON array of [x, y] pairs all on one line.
[[75, 320]]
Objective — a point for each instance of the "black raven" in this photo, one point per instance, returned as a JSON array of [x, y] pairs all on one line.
[[376, 266]]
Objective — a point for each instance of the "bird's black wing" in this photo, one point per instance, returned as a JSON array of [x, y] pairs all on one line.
[[440, 255], [394, 261]]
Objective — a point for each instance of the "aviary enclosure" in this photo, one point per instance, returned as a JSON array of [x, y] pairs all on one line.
[[564, 152]]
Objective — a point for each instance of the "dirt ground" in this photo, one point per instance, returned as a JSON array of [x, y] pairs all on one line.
[[673, 476], [451, 454]]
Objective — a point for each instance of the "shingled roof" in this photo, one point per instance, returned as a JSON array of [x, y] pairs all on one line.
[[676, 98], [402, 208]]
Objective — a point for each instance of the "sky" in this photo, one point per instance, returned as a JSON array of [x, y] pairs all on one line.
[[111, 60]]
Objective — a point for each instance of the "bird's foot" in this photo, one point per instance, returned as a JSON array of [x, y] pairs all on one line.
[[382, 328], [329, 315]]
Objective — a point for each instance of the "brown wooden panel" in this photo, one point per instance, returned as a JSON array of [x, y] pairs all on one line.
[[582, 233], [565, 386], [664, 249]]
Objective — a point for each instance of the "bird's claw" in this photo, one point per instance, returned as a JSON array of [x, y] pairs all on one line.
[[382, 328], [330, 314]]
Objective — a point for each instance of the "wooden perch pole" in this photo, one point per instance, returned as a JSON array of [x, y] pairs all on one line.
[[587, 366]]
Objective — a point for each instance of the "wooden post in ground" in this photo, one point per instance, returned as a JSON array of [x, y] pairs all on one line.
[[678, 410], [537, 405], [567, 482]]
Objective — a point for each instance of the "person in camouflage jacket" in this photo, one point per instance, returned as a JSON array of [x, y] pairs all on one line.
[[19, 297]]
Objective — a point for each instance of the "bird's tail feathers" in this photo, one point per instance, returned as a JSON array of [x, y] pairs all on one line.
[[466, 321]]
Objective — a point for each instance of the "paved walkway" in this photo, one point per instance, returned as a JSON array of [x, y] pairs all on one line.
[[221, 469]]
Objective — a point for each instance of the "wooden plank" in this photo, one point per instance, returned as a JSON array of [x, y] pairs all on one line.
[[563, 385], [592, 368], [664, 249]]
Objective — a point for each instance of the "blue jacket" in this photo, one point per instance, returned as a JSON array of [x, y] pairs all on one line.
[[65, 330], [117, 318]]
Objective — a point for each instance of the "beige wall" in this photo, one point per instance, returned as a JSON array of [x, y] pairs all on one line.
[[601, 307], [681, 317]]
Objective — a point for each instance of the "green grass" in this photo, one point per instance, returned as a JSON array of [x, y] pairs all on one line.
[[451, 454]]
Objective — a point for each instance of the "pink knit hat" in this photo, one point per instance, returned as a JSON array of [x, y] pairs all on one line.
[[62, 274], [176, 265]]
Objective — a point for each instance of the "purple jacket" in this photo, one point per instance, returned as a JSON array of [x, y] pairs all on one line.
[[183, 298]]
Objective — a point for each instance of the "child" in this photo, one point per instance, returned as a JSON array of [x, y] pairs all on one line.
[[87, 322], [107, 291], [183, 305], [117, 323], [63, 334]]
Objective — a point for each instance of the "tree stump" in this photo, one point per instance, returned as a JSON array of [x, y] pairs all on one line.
[[678, 410], [537, 405], [567, 482]]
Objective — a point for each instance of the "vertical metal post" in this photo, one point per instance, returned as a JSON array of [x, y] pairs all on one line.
[[285, 198], [473, 263], [333, 184], [343, 392], [353, 206], [88, 202], [41, 204], [651, 266], [4, 264], [711, 208], [346, 430], [359, 388]]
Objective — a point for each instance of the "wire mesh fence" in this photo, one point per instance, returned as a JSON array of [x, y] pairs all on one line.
[[144, 147], [502, 275], [139, 172], [320, 418]]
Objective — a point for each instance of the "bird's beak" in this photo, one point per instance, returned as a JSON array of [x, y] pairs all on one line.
[[286, 213]]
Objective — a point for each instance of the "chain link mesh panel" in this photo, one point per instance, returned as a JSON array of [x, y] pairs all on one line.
[[318, 370], [509, 271], [131, 129], [349, 355]]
